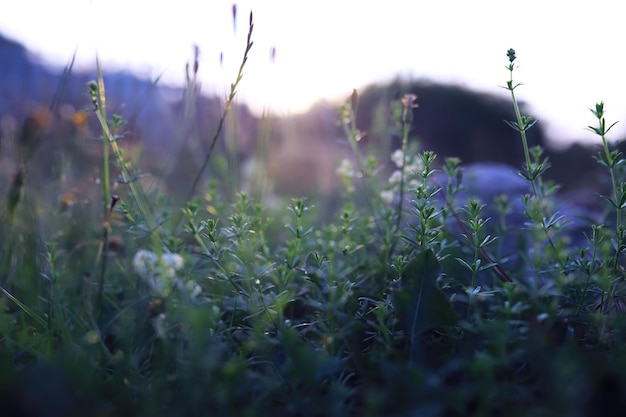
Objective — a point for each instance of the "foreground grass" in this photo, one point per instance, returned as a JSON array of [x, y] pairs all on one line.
[[217, 309]]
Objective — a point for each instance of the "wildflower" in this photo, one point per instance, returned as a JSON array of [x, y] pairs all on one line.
[[143, 262], [408, 101], [397, 157], [411, 163], [414, 183], [79, 119], [414, 165], [345, 169], [67, 200], [387, 196], [160, 276], [395, 177], [193, 288], [174, 262], [408, 104]]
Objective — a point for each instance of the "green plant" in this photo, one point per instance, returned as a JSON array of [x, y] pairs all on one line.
[[404, 303]]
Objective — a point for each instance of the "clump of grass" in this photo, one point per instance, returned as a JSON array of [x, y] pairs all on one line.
[[404, 305]]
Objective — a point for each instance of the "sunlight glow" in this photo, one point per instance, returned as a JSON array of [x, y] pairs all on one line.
[[325, 48]]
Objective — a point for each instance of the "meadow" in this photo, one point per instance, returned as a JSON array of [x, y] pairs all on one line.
[[409, 298]]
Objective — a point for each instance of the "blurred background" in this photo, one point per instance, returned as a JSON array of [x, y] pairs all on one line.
[[307, 51], [284, 136]]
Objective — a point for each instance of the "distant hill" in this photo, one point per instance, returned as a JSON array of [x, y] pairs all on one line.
[[301, 150], [26, 84], [155, 113]]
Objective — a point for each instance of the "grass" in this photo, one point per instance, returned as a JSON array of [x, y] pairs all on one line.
[[404, 304]]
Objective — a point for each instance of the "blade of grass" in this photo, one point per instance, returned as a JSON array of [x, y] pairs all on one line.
[[26, 309]]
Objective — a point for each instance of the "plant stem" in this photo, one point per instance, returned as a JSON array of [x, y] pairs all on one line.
[[229, 102]]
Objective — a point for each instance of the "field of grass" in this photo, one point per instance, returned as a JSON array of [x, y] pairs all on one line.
[[404, 304]]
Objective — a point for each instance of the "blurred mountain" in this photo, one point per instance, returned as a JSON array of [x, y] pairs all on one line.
[[173, 131], [299, 152]]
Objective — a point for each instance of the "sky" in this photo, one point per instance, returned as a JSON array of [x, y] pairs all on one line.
[[569, 53]]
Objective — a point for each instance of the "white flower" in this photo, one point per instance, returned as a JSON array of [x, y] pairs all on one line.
[[173, 262], [159, 275], [414, 165], [411, 165], [387, 196], [398, 158], [345, 169], [143, 262], [395, 177]]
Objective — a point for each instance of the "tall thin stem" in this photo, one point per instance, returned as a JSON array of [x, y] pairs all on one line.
[[229, 102]]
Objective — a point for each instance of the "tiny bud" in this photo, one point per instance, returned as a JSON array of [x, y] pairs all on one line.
[[93, 93], [599, 109], [408, 101], [408, 104], [511, 54], [114, 199]]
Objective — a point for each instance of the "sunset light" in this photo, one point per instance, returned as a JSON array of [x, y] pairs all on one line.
[[308, 51]]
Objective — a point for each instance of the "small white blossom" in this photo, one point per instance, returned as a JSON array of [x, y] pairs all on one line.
[[345, 169], [412, 164], [174, 262], [414, 183], [387, 196], [395, 177], [415, 165], [193, 288], [397, 157], [159, 275], [143, 262]]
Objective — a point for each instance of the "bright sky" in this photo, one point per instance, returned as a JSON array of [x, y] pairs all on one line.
[[570, 53]]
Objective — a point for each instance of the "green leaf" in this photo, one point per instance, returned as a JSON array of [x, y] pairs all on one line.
[[419, 303], [465, 264]]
